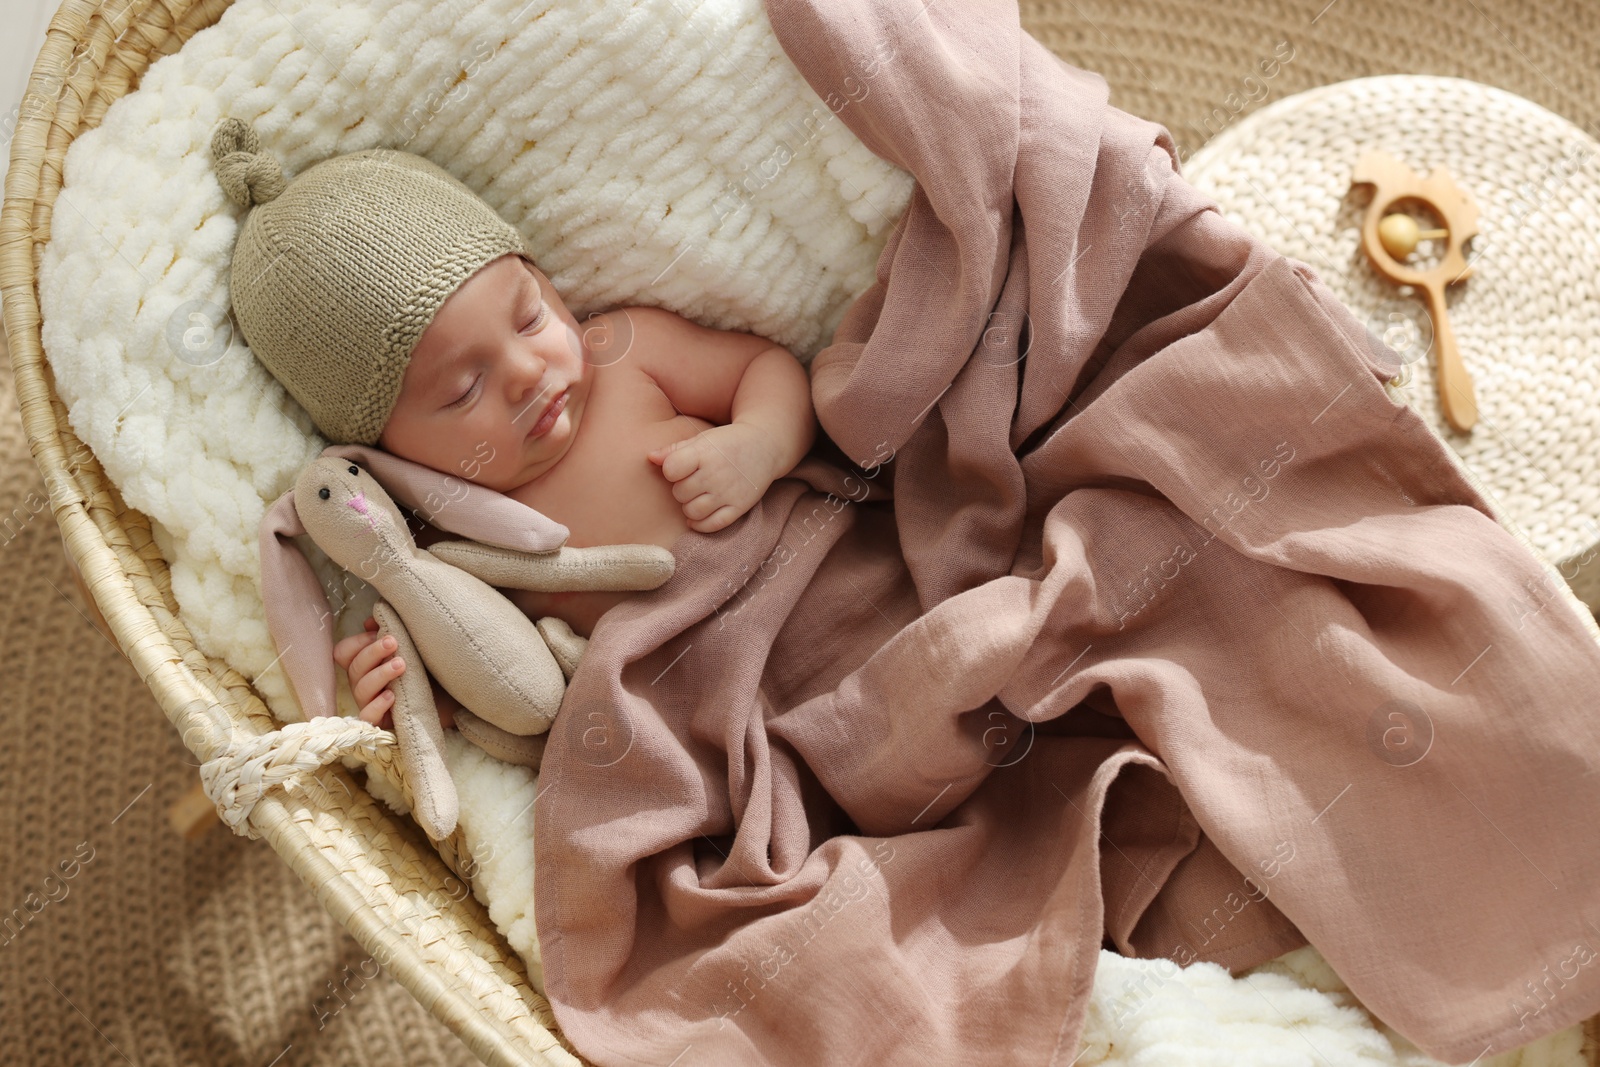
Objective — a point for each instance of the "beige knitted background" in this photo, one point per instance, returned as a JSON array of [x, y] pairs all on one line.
[[161, 951]]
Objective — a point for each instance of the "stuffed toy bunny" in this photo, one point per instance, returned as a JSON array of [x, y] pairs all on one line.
[[440, 603]]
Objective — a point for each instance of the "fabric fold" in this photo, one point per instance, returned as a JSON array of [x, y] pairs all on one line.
[[1119, 601]]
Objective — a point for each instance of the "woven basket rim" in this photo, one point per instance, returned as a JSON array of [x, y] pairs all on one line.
[[110, 543], [92, 55]]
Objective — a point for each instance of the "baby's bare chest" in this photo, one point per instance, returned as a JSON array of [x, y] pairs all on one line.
[[605, 490]]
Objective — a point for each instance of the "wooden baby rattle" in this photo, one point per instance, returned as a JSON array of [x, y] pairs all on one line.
[[1389, 238]]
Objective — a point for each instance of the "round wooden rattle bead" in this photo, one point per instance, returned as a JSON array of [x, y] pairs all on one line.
[[1400, 233]]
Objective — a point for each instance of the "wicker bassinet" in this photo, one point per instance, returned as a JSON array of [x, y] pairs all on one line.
[[373, 870], [376, 872]]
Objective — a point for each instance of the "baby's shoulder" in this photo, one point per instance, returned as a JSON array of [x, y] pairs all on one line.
[[636, 331]]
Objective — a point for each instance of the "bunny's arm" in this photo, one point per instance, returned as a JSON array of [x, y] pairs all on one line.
[[602, 567], [524, 750], [514, 748]]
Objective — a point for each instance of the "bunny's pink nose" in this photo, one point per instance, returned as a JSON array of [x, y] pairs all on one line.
[[359, 502]]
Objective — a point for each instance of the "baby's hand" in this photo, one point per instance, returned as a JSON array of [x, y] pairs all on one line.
[[371, 666], [718, 474]]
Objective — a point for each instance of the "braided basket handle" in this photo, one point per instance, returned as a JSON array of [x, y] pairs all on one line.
[[238, 777]]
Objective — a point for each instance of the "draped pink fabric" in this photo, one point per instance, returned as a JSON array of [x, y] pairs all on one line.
[[1129, 609]]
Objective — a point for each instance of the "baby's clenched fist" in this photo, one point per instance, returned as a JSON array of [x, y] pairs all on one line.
[[719, 473]]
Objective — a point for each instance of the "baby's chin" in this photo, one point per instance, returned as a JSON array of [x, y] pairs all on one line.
[[558, 440]]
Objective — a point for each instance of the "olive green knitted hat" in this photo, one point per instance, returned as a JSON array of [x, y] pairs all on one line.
[[337, 273]]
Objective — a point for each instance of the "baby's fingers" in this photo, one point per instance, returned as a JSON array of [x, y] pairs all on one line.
[[678, 460], [378, 707], [691, 488], [701, 507], [370, 684], [345, 650], [375, 652], [717, 520]]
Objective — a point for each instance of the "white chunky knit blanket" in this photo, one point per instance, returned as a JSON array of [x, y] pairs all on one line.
[[659, 152]]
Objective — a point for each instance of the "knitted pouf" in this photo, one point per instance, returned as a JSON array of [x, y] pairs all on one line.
[[1525, 319]]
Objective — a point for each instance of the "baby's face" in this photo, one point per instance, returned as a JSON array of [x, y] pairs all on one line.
[[498, 352]]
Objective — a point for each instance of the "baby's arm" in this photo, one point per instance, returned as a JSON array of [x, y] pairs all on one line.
[[757, 393]]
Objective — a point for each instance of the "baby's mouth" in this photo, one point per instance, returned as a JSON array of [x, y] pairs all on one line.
[[551, 413]]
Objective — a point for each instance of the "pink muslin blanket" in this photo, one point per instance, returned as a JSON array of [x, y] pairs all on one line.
[[1129, 609]]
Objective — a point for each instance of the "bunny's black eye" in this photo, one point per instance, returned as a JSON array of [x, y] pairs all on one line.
[[323, 493], [354, 469]]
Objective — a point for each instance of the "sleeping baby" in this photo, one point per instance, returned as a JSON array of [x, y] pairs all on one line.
[[631, 430], [402, 312]]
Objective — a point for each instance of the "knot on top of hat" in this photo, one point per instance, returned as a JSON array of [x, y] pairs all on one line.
[[248, 175]]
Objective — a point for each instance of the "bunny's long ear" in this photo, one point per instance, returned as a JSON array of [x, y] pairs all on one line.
[[298, 614], [457, 505]]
